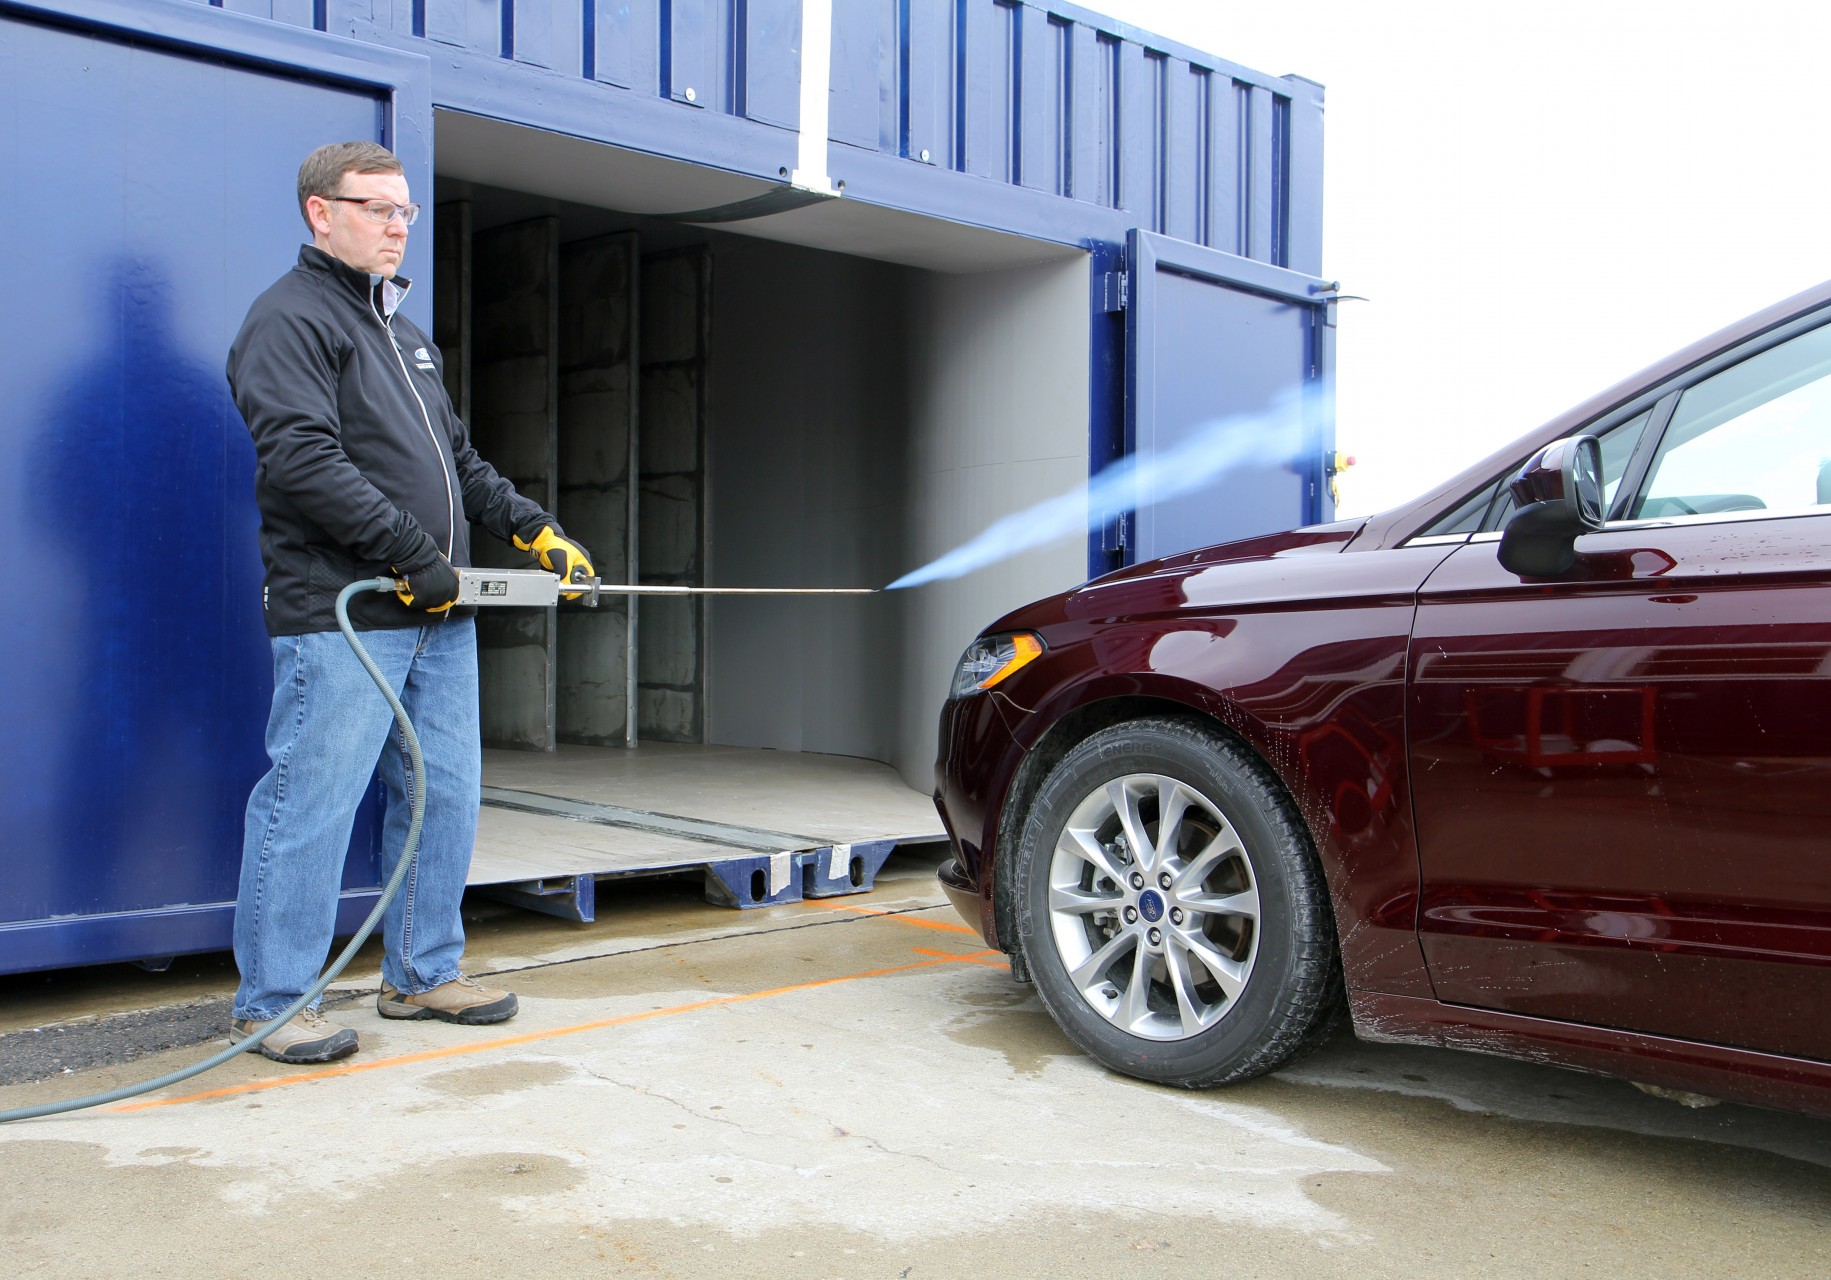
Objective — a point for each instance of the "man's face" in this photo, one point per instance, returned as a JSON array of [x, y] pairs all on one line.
[[347, 233]]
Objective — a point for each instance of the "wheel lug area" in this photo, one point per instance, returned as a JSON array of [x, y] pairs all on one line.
[[1156, 937], [1137, 880], [1131, 915], [1176, 915], [1163, 879]]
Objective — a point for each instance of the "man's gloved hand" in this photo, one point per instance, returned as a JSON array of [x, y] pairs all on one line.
[[559, 554], [432, 584]]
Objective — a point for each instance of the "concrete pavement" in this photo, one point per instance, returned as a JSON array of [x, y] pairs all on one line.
[[855, 1089]]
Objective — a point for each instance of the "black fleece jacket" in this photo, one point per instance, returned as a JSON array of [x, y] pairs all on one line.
[[363, 468]]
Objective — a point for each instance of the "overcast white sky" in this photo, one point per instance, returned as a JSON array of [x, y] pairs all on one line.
[[1538, 199]]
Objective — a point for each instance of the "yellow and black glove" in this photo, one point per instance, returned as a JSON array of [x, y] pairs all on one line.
[[558, 554], [432, 584]]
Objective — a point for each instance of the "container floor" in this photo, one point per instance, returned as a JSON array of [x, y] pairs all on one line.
[[552, 822]]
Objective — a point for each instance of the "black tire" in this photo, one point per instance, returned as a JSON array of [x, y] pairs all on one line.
[[1245, 975]]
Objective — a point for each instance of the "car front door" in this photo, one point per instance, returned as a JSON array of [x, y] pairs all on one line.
[[1623, 776]]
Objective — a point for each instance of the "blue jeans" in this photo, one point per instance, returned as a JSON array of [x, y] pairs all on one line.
[[328, 727]]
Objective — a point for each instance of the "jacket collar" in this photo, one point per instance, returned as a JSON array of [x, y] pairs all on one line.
[[386, 294]]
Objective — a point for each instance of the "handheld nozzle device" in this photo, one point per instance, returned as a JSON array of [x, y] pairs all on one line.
[[536, 588]]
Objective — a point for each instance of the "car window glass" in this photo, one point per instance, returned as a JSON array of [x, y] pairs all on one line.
[[1753, 437], [1503, 510], [1465, 518], [1617, 448]]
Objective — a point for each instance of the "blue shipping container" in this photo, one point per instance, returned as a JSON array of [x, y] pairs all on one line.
[[1015, 242]]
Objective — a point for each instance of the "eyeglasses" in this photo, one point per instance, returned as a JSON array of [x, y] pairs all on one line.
[[383, 211]]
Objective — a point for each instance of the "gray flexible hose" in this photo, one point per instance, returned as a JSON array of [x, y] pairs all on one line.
[[408, 853]]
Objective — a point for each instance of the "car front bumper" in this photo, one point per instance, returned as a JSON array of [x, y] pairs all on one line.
[[964, 895], [978, 757]]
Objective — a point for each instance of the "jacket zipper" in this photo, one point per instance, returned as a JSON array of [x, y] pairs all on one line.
[[450, 504]]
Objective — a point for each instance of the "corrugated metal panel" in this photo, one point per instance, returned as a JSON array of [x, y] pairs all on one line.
[[768, 70], [1045, 97], [866, 39], [1058, 100]]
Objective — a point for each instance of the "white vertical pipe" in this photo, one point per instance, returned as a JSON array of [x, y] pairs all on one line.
[[816, 78], [632, 560]]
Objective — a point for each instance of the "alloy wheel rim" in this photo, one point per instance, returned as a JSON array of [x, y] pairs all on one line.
[[1154, 907]]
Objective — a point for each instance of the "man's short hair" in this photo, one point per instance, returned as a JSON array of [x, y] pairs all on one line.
[[323, 170]]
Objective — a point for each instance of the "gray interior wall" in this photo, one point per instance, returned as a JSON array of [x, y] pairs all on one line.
[[808, 465], [670, 545], [597, 413], [869, 418], [514, 375], [999, 422]]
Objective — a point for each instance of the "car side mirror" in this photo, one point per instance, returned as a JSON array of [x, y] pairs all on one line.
[[1559, 498]]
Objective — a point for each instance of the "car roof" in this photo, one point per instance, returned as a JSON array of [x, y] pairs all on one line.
[[1391, 527]]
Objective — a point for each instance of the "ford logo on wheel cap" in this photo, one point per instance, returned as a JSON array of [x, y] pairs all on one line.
[[1150, 905]]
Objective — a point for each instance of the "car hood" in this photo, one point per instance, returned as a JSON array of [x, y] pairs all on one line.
[[1270, 568]]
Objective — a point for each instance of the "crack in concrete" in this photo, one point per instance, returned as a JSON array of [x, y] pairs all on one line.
[[877, 1144], [874, 1144], [655, 1093]]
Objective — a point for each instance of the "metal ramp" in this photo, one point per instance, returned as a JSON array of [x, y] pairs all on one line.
[[763, 827]]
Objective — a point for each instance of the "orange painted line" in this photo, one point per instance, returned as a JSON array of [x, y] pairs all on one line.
[[978, 958], [899, 918], [534, 1037]]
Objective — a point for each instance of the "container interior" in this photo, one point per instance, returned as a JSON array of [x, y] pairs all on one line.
[[827, 396]]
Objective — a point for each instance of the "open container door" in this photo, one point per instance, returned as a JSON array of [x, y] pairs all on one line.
[[134, 668], [1222, 355]]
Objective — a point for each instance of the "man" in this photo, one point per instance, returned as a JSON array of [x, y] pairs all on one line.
[[364, 470]]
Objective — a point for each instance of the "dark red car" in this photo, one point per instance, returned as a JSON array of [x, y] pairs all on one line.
[[1538, 764]]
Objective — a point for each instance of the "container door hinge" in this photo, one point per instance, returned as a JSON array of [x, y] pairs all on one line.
[[1116, 286], [1114, 539]]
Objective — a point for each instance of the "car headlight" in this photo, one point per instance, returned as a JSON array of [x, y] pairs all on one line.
[[990, 659]]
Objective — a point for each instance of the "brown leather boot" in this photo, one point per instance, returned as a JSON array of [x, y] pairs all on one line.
[[461, 1000]]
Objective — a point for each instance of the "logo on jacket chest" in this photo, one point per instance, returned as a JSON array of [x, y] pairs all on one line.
[[424, 358]]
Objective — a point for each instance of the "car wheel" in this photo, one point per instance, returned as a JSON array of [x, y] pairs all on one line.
[[1171, 909]]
